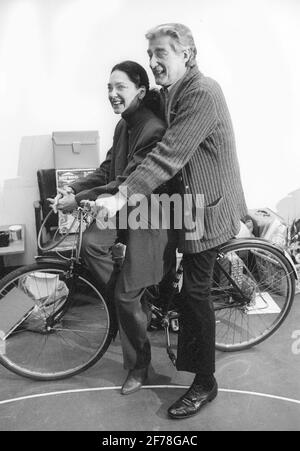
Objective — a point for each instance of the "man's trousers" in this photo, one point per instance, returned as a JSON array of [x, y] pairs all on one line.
[[196, 340], [197, 324]]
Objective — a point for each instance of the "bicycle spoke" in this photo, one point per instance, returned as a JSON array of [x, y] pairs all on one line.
[[254, 302], [67, 333]]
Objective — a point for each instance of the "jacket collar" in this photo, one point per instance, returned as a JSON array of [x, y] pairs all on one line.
[[177, 90], [135, 114], [191, 74]]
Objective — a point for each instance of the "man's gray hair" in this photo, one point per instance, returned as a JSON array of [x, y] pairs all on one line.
[[181, 35]]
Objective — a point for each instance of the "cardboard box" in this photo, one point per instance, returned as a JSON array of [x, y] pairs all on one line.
[[77, 149]]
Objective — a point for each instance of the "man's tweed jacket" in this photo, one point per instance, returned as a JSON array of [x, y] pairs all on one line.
[[199, 145]]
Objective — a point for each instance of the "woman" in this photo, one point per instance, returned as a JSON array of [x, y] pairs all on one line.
[[149, 252]]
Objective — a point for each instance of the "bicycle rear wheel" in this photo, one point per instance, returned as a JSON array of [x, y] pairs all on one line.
[[253, 291], [82, 330]]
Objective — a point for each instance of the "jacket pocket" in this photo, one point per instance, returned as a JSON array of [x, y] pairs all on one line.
[[212, 224]]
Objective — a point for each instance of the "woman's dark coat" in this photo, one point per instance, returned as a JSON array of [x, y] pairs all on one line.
[[148, 251]]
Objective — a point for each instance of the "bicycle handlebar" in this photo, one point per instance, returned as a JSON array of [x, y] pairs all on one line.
[[88, 205]]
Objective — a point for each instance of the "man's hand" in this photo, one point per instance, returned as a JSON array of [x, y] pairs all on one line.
[[64, 201], [109, 205]]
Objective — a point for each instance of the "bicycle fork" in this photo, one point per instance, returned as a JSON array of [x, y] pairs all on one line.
[[172, 316]]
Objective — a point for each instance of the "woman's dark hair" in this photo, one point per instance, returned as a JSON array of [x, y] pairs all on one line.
[[137, 74]]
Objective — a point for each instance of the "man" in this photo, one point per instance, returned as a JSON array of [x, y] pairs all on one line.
[[199, 147]]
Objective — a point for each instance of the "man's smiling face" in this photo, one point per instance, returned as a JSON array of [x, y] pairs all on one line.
[[167, 64]]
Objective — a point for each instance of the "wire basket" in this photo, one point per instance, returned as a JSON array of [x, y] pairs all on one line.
[[237, 270], [271, 275]]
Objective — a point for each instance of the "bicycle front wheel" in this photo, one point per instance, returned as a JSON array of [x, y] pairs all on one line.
[[69, 329], [253, 291]]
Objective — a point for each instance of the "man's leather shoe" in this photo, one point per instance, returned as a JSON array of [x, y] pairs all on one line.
[[134, 381], [192, 401]]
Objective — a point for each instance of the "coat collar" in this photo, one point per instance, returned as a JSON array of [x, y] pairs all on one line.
[[135, 114], [191, 74], [177, 90]]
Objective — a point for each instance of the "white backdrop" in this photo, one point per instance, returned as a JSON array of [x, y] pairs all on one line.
[[55, 59]]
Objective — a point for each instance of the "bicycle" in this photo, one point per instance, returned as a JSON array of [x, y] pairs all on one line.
[[73, 321]]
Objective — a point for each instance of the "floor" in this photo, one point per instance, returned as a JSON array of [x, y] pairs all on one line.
[[259, 390]]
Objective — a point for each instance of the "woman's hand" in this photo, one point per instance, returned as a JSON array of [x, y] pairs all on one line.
[[64, 201]]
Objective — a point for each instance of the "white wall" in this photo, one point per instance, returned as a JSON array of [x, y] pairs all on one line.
[[55, 58]]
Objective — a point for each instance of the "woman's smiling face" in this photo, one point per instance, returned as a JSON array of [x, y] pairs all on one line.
[[121, 91]]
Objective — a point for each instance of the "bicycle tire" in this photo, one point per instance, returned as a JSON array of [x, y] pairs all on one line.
[[76, 342], [265, 277]]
